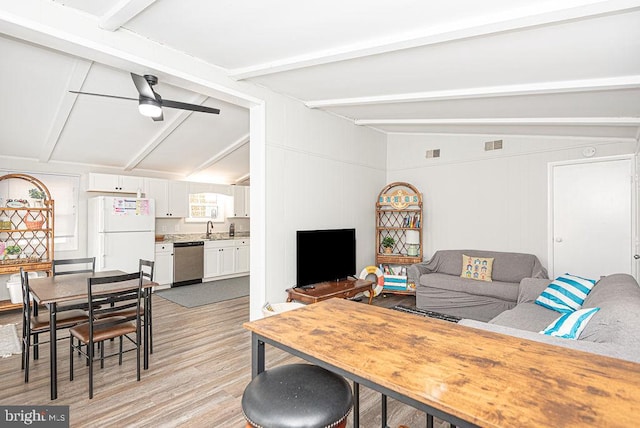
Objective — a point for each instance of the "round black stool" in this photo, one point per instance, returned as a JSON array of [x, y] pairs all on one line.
[[297, 396]]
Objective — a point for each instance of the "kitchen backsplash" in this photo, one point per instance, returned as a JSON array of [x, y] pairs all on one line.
[[170, 226]]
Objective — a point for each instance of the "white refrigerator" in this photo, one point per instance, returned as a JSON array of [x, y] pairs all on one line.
[[121, 232]]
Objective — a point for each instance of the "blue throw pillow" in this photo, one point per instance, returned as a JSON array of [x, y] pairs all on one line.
[[570, 325], [566, 293]]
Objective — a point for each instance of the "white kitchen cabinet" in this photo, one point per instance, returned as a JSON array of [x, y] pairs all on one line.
[[240, 201], [242, 256], [226, 258], [114, 183], [163, 268], [219, 258], [172, 199]]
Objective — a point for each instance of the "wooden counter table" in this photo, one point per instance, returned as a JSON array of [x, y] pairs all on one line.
[[466, 376]]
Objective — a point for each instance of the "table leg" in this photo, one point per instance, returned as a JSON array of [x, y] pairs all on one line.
[[356, 404], [53, 351], [429, 421], [257, 356], [384, 411], [371, 295]]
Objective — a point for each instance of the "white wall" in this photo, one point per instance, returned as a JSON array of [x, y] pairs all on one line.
[[494, 200], [322, 172]]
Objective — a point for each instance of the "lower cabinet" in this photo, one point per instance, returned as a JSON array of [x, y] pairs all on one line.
[[226, 258], [163, 268], [242, 256]]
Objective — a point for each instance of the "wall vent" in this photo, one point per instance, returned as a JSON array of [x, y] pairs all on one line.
[[434, 153], [493, 145]]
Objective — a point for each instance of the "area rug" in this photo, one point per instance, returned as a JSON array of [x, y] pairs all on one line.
[[9, 343], [191, 296], [425, 313]]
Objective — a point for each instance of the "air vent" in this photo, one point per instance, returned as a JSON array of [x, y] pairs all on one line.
[[435, 153], [493, 145]]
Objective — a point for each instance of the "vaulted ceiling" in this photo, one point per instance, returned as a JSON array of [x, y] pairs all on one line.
[[495, 68]]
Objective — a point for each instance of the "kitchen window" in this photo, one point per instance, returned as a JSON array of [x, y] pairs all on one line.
[[205, 207]]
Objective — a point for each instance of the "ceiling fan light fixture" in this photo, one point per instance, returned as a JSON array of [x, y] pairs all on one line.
[[150, 108]]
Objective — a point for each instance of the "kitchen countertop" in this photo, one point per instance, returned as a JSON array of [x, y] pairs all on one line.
[[201, 237]]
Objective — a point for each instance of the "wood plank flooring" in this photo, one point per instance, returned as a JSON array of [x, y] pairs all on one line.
[[198, 371]]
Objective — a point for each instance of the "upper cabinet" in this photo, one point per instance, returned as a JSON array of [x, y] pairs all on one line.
[[241, 201], [171, 197], [114, 183]]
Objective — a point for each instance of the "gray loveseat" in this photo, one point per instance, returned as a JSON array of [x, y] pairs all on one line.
[[440, 288], [613, 331]]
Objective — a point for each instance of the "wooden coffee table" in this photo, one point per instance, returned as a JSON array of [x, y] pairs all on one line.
[[326, 290]]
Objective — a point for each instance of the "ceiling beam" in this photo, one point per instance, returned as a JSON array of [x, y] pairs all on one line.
[[74, 82], [546, 121], [243, 178], [587, 85], [221, 155], [167, 129], [122, 13], [520, 19]]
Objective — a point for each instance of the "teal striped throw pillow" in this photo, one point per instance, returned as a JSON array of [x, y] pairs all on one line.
[[570, 325], [566, 293]]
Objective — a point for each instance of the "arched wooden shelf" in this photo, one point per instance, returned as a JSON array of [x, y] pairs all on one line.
[[31, 228]]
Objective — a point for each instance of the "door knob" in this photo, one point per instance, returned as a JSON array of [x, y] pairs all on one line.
[[558, 239], [636, 256]]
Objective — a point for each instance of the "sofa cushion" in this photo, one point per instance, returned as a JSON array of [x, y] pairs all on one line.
[[566, 293], [507, 267], [571, 324], [608, 349], [526, 316], [530, 289], [501, 290], [477, 268], [618, 320]]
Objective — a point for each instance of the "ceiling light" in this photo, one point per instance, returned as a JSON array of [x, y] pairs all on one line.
[[149, 107]]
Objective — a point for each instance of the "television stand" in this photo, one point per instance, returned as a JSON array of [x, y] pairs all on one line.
[[326, 290]]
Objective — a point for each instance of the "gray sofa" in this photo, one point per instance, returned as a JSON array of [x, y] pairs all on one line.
[[440, 288], [613, 331]]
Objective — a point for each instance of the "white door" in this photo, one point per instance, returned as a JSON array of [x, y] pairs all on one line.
[[592, 217]]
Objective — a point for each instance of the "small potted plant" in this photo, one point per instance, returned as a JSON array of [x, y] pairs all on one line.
[[13, 251], [38, 197], [388, 243]]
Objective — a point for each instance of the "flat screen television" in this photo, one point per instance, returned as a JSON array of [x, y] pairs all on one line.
[[325, 255]]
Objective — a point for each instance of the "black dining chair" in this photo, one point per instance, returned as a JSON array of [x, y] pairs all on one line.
[[103, 325], [35, 324], [71, 266], [146, 268]]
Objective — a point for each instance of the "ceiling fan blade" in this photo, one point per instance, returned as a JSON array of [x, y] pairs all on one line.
[[104, 95], [192, 107], [143, 87]]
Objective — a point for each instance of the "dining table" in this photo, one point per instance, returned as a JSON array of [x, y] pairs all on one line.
[[54, 291], [463, 375]]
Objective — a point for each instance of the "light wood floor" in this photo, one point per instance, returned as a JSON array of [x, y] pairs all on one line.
[[198, 371]]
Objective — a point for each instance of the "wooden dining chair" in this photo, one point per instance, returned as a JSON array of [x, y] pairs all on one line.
[[70, 266], [35, 324], [103, 325]]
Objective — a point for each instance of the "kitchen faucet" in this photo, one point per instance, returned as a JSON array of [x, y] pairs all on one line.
[[209, 231]]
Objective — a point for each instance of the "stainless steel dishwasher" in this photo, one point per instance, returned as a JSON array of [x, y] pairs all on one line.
[[188, 263]]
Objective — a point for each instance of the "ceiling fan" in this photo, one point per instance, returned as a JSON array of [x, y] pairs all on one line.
[[150, 103]]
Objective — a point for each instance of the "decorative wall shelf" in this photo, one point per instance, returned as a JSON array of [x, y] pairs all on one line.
[[31, 228], [398, 212]]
